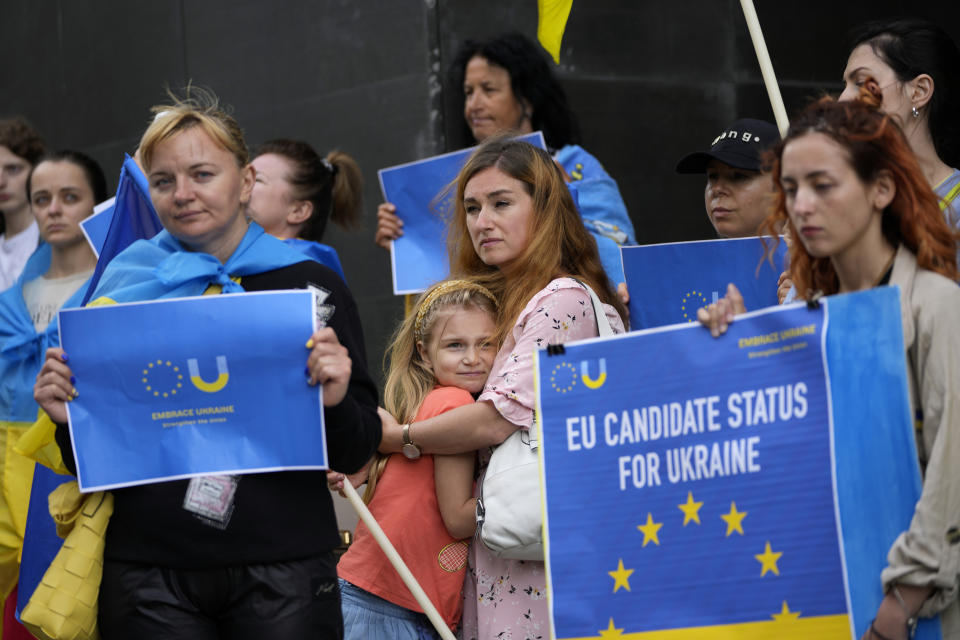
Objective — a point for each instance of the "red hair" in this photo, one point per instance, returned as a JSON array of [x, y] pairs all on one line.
[[875, 144]]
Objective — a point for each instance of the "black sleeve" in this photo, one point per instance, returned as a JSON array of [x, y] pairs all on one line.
[[66, 447], [353, 426]]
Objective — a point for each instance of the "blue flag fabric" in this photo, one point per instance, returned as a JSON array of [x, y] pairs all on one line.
[[669, 282], [40, 540], [198, 389], [716, 507], [322, 253], [134, 218], [22, 349], [162, 268], [419, 257]]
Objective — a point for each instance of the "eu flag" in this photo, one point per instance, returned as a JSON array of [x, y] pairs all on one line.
[[669, 282], [134, 218]]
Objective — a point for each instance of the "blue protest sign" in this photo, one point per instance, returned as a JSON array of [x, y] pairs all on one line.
[[192, 386], [419, 257], [669, 282], [731, 494]]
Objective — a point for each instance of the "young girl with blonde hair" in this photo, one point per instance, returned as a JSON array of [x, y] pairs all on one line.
[[439, 359]]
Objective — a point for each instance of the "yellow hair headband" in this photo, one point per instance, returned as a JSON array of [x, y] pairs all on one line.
[[448, 286]]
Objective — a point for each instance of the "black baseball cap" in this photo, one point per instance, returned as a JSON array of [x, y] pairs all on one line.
[[740, 145]]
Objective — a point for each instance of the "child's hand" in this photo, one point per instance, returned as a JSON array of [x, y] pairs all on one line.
[[335, 481]]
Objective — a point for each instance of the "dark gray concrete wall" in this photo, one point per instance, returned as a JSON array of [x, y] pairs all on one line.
[[649, 79]]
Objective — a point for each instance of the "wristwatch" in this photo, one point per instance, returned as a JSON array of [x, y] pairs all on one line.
[[409, 449]]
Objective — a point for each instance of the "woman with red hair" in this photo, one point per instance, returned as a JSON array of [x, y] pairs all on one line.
[[848, 187]]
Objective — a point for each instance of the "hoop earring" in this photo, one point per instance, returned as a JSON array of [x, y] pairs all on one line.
[[916, 114]]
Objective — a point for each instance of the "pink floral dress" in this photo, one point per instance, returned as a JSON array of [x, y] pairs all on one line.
[[506, 599]]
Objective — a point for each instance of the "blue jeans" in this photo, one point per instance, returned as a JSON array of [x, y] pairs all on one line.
[[367, 617]]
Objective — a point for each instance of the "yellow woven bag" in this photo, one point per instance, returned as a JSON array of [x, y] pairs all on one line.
[[64, 604]]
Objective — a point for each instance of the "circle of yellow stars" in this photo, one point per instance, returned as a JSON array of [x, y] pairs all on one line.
[[557, 371], [690, 299], [156, 366], [691, 513]]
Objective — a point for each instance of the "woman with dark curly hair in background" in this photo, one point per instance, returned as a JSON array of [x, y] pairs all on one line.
[[508, 85]]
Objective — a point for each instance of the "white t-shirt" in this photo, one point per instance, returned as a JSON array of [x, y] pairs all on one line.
[[14, 253], [45, 296]]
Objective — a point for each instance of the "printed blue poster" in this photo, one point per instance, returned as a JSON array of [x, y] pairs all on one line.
[[192, 386], [669, 282], [717, 488], [419, 257]]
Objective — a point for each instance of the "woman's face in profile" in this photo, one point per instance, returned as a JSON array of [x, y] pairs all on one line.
[[198, 190], [864, 64], [272, 199], [489, 104], [737, 200]]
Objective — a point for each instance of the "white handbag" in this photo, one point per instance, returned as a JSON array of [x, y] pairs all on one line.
[[509, 509]]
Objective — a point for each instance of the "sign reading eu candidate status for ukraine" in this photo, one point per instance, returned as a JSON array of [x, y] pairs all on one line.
[[192, 386], [669, 282], [718, 488], [419, 257]]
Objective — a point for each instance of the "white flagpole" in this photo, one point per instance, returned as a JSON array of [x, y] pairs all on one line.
[[766, 67], [357, 502]]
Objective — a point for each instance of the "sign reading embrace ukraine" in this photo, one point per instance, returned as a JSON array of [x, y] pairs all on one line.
[[192, 386], [731, 491]]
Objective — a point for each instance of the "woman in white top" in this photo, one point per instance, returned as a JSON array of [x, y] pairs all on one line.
[[20, 149]]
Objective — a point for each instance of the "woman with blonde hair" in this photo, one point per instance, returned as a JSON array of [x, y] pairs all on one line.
[[853, 195], [516, 231], [261, 563]]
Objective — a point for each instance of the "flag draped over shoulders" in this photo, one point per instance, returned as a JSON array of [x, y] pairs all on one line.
[[318, 252], [22, 348], [163, 268]]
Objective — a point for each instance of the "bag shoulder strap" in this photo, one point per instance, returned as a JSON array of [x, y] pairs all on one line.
[[603, 325]]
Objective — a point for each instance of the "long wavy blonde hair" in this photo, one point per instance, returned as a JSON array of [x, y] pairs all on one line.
[[409, 377]]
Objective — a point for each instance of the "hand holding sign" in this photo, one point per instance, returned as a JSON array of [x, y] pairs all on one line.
[[389, 226], [719, 315], [54, 386], [329, 364]]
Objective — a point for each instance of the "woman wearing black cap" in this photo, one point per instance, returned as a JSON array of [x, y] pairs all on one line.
[[737, 194]]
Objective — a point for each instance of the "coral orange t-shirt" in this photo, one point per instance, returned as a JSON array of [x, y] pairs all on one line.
[[405, 505]]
